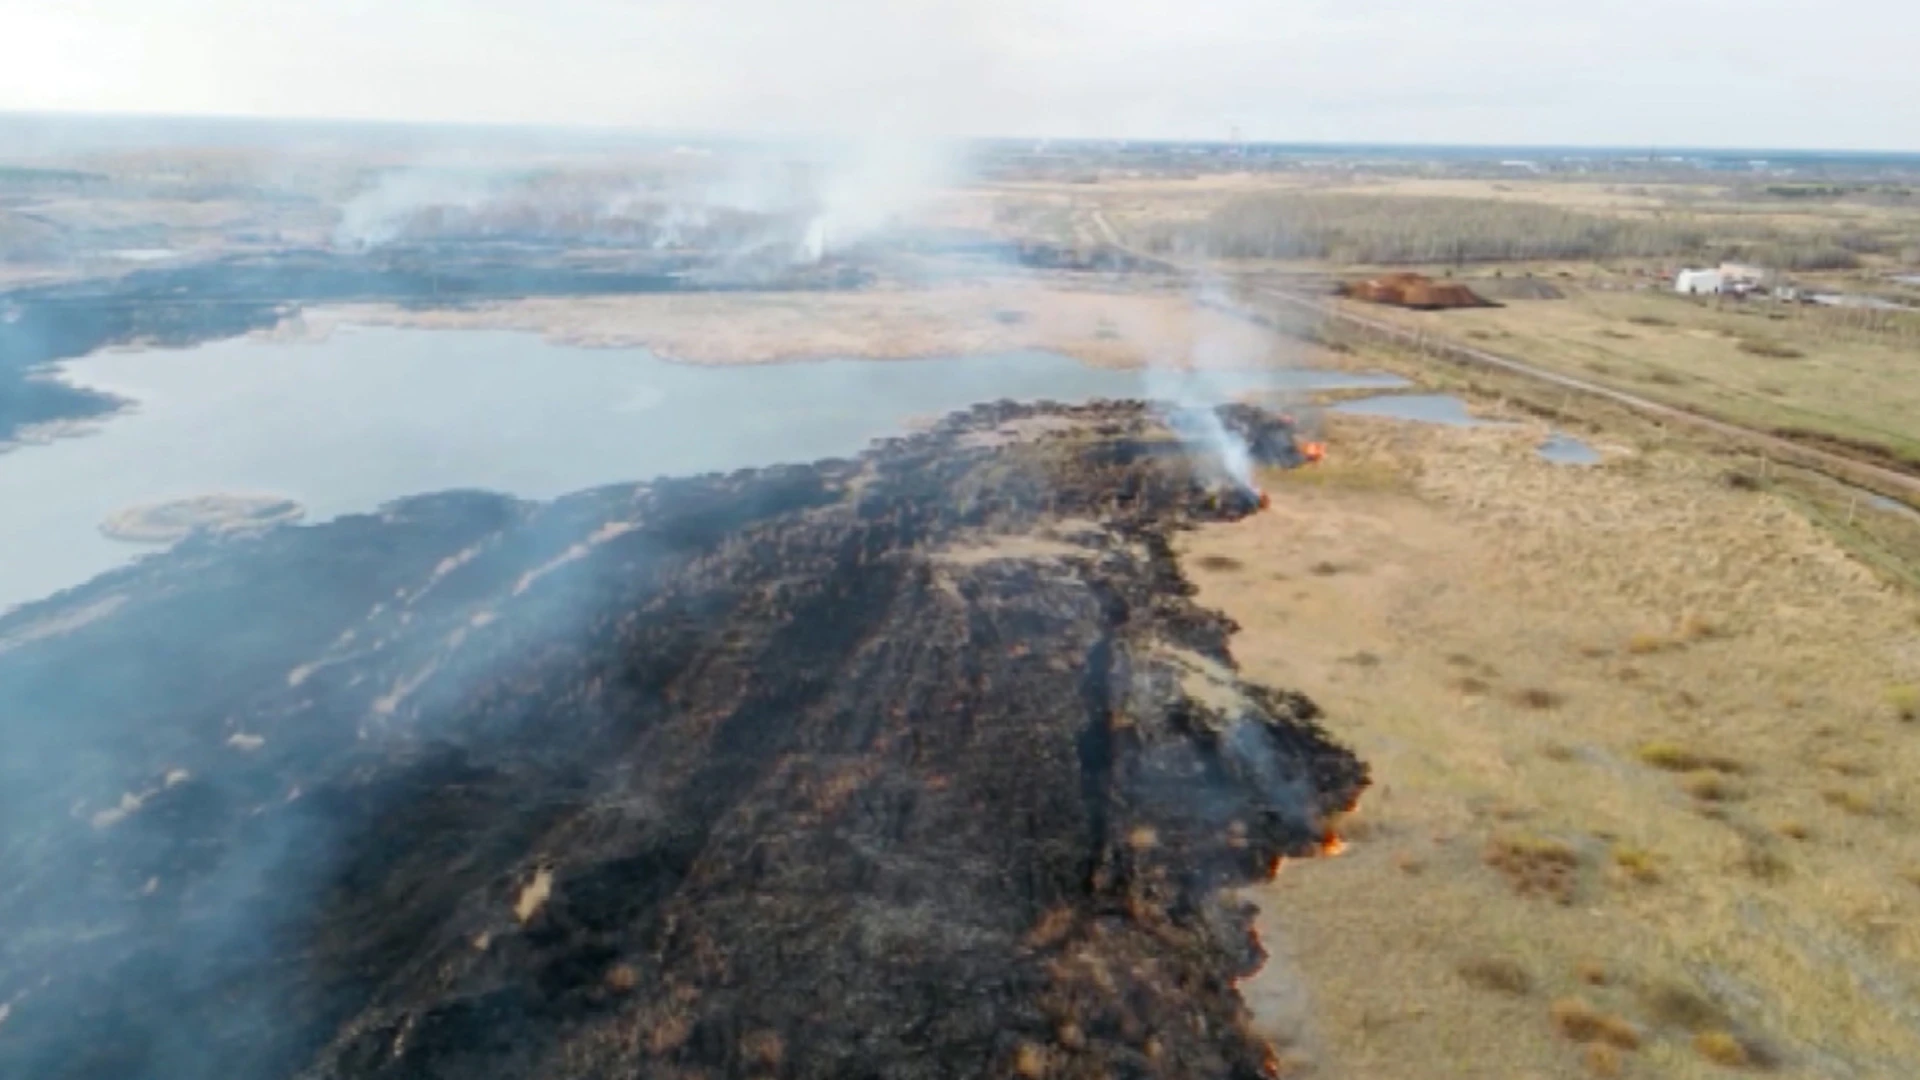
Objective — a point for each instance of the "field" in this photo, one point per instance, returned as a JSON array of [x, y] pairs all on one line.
[[1642, 731], [1846, 373], [1640, 742], [1581, 266]]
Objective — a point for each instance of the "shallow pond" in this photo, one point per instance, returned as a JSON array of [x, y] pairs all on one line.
[[1560, 448], [371, 414]]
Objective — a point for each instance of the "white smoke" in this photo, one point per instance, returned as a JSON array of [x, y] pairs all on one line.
[[798, 204], [868, 188], [381, 214], [1196, 385]]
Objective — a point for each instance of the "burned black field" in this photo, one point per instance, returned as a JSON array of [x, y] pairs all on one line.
[[893, 766]]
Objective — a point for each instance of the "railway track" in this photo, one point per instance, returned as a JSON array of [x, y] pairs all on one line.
[[1858, 471], [1861, 472]]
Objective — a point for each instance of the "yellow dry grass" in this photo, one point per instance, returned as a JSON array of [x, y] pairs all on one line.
[[1486, 560], [1702, 354], [989, 316]]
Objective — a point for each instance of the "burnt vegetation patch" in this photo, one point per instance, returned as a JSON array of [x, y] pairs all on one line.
[[730, 776]]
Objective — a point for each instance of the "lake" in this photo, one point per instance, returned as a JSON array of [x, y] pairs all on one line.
[[370, 414]]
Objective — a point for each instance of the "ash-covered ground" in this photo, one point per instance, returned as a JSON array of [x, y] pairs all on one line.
[[920, 764]]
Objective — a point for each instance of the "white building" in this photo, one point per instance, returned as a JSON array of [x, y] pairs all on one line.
[[1697, 282], [1744, 274]]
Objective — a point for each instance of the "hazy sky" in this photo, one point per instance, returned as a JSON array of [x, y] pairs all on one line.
[[1774, 73]]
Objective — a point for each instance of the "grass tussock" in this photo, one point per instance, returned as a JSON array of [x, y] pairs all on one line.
[[1852, 802], [1536, 698], [1219, 563], [1773, 350], [1697, 627], [1707, 785], [1638, 864], [1904, 700], [1673, 1004], [1646, 643], [1558, 751], [1536, 866], [1764, 862], [1692, 627], [1722, 1049], [1674, 757], [1496, 974], [1603, 1061], [1579, 1021]]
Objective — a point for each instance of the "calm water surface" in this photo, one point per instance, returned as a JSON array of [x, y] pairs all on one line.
[[372, 414]]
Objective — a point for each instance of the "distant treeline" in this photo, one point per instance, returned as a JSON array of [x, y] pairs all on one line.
[[21, 175], [1415, 229]]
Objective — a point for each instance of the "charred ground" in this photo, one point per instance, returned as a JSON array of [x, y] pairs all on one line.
[[919, 764]]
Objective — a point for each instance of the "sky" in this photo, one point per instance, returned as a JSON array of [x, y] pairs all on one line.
[[1838, 74]]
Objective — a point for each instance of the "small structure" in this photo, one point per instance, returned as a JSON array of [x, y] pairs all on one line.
[[1699, 282], [1753, 277]]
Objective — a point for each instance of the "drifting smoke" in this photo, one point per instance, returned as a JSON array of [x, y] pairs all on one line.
[[1196, 385], [382, 214], [799, 207]]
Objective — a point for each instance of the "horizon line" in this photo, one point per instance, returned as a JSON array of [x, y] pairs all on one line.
[[697, 135]]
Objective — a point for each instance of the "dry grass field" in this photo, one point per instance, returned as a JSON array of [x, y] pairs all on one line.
[[1846, 373], [1640, 742]]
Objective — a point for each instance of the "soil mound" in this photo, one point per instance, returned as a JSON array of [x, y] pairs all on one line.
[[883, 767], [1412, 291]]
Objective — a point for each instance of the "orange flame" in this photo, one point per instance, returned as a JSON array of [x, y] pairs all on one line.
[[1266, 500], [1331, 845], [1314, 452]]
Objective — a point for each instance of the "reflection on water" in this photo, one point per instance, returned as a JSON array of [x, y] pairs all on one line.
[[372, 414], [1560, 448], [1564, 449], [1892, 506], [1427, 408]]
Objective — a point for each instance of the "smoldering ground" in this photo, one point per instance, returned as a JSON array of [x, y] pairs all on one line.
[[369, 737], [259, 791]]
